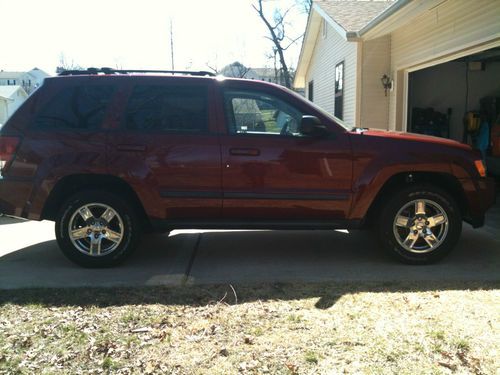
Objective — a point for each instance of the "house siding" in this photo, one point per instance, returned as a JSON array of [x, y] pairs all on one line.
[[328, 52], [446, 29], [376, 61]]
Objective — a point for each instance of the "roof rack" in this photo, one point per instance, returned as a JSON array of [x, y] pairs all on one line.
[[200, 73]]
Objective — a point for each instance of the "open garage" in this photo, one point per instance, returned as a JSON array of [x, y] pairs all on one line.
[[460, 99]]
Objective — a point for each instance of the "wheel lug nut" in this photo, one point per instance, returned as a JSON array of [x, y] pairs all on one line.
[[427, 223], [415, 232], [103, 232], [89, 231]]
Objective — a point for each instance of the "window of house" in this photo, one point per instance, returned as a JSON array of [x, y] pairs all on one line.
[[168, 109], [339, 91], [324, 28], [259, 113], [310, 91], [77, 107]]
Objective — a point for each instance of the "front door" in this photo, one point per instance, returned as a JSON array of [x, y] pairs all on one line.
[[272, 171]]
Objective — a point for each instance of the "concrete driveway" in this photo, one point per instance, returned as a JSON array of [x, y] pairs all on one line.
[[29, 257]]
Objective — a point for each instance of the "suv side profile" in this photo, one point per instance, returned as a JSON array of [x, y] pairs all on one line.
[[109, 154]]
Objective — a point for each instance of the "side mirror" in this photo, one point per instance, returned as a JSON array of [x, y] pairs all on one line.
[[312, 126]]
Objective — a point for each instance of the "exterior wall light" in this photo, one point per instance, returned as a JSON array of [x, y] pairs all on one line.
[[387, 83]]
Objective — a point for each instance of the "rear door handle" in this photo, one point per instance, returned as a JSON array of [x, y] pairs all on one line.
[[135, 148], [244, 151]]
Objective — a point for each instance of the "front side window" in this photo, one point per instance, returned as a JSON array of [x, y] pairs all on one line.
[[76, 107], [255, 113], [168, 109]]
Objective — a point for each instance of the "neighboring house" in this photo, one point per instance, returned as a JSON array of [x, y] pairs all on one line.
[[434, 53], [28, 80], [269, 75], [11, 97], [238, 70]]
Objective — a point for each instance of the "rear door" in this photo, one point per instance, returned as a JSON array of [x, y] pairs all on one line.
[[166, 147]]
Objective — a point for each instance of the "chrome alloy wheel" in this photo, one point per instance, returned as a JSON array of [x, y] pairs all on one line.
[[96, 229], [421, 226]]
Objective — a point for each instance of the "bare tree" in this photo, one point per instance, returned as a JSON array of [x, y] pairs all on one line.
[[64, 64], [277, 35], [235, 70], [306, 5]]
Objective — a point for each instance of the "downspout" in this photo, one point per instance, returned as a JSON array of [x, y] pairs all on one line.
[[359, 82]]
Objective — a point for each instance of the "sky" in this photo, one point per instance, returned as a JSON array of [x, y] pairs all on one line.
[[136, 34]]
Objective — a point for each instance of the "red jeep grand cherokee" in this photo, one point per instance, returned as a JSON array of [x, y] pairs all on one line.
[[109, 154]]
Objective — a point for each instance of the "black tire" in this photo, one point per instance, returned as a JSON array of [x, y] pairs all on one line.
[[125, 221], [435, 198]]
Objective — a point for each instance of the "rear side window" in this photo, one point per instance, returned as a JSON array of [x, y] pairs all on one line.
[[76, 107], [168, 109]]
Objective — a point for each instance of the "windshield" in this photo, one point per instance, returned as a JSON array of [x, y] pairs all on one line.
[[323, 112]]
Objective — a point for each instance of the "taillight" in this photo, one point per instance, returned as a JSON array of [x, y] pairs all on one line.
[[8, 147]]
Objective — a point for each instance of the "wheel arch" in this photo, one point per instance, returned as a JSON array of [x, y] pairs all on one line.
[[444, 181], [69, 185]]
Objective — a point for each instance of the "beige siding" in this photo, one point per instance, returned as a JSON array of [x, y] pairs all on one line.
[[328, 52], [374, 103], [450, 27]]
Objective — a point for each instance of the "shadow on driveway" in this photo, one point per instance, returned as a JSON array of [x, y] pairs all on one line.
[[248, 258]]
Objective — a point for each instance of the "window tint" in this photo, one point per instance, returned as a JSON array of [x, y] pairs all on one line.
[[168, 108], [260, 114], [77, 107]]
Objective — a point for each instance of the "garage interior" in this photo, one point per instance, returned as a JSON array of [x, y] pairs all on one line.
[[460, 100]]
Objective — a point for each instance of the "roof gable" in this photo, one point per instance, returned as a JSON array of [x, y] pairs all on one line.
[[8, 92]]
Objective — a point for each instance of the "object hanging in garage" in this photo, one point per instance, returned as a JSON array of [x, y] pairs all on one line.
[[430, 122]]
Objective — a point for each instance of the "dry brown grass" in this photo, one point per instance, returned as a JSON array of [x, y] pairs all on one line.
[[274, 329]]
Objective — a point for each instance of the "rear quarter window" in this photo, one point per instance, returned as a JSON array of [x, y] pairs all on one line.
[[76, 107]]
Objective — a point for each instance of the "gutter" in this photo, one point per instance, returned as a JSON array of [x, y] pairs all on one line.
[[379, 19]]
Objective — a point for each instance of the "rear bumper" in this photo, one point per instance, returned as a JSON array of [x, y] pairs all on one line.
[[481, 195], [15, 197]]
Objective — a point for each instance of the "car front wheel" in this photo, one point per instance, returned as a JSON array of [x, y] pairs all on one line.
[[420, 224], [97, 229]]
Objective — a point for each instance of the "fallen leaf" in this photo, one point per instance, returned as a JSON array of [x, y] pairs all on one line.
[[451, 366], [141, 330]]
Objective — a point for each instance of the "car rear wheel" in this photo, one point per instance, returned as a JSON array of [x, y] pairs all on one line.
[[420, 224], [97, 229]]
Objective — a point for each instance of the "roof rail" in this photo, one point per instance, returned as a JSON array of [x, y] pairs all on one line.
[[91, 71]]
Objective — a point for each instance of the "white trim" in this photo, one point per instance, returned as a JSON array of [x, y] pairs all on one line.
[[453, 54], [406, 76], [339, 29]]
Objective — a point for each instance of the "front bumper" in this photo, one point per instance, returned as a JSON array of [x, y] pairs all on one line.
[[15, 197], [480, 195]]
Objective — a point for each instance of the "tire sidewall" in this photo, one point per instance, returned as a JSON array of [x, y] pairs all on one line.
[[130, 229], [397, 201]]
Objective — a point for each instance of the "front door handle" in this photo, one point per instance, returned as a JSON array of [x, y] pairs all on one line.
[[244, 151], [134, 148]]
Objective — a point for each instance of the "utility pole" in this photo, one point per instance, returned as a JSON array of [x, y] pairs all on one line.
[[172, 44]]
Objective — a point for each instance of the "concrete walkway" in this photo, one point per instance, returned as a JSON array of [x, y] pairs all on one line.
[[29, 257]]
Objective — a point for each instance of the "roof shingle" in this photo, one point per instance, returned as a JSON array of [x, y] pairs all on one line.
[[353, 15]]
